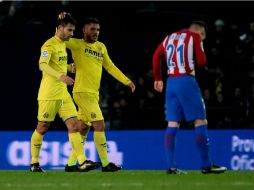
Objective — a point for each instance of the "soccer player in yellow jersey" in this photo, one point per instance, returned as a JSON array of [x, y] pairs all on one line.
[[53, 96], [90, 56]]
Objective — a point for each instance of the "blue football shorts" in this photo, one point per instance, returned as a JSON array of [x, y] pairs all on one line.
[[184, 99]]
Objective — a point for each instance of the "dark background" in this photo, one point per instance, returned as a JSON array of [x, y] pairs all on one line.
[[131, 31]]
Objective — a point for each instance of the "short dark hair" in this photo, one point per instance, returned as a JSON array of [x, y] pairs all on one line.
[[91, 20], [200, 23], [66, 20]]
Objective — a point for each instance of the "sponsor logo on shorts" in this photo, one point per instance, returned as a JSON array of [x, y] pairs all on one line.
[[93, 115], [45, 115]]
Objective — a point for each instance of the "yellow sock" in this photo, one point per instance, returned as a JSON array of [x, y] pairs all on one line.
[[73, 157], [36, 142], [101, 145], [77, 146]]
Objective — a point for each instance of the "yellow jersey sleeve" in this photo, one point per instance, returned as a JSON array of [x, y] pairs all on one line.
[[113, 70], [47, 69], [72, 44], [53, 64], [46, 51]]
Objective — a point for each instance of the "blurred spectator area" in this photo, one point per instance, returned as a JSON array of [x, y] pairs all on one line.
[[132, 31]]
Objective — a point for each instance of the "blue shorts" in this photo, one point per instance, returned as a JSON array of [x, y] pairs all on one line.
[[184, 99]]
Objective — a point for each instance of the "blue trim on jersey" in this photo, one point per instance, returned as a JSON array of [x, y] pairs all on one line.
[[184, 99]]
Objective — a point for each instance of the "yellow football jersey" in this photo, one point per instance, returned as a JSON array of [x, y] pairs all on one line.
[[53, 53], [89, 58]]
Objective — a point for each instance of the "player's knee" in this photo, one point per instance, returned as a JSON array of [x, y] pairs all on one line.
[[173, 124], [199, 122], [99, 125], [83, 127], [42, 127], [72, 125]]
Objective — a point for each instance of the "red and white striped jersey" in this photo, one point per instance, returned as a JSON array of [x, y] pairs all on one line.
[[181, 49]]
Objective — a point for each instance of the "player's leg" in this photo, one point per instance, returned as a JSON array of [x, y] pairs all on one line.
[[91, 113], [36, 143], [101, 145], [84, 127], [173, 115], [69, 114], [194, 109], [71, 165], [46, 114], [202, 142]]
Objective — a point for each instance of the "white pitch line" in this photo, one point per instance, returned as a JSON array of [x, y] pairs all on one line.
[[241, 183], [138, 184]]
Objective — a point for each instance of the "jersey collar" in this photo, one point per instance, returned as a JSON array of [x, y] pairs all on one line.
[[58, 39]]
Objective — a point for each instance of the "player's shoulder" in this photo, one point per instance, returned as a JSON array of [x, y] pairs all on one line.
[[49, 43], [75, 40], [194, 34], [179, 32], [100, 44]]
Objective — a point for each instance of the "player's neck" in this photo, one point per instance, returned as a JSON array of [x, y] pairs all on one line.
[[58, 37], [87, 40]]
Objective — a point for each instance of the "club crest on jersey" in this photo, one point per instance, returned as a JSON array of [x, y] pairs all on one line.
[[93, 115], [46, 115], [44, 54]]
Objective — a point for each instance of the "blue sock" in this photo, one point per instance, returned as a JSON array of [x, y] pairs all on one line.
[[202, 143], [169, 141]]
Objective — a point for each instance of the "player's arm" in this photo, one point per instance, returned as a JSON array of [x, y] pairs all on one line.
[[46, 68], [116, 73], [199, 50], [52, 72], [46, 52], [72, 44], [157, 61]]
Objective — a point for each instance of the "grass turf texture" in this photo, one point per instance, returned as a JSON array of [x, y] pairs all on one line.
[[125, 180]]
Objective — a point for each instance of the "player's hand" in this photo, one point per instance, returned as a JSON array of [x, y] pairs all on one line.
[[132, 86], [158, 86], [67, 80], [62, 15]]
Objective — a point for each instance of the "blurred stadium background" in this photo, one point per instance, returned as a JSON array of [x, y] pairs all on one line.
[[131, 31]]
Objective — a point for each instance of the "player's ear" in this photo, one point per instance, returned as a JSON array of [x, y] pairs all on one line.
[[85, 28], [60, 27], [203, 34]]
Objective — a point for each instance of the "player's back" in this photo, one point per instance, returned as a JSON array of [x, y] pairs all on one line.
[[180, 49]]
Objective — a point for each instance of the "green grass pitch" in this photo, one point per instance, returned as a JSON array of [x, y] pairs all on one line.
[[125, 180]]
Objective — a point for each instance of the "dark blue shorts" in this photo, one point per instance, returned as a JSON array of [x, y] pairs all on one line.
[[184, 99]]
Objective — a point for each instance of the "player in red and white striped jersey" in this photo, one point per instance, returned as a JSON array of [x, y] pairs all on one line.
[[182, 51]]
